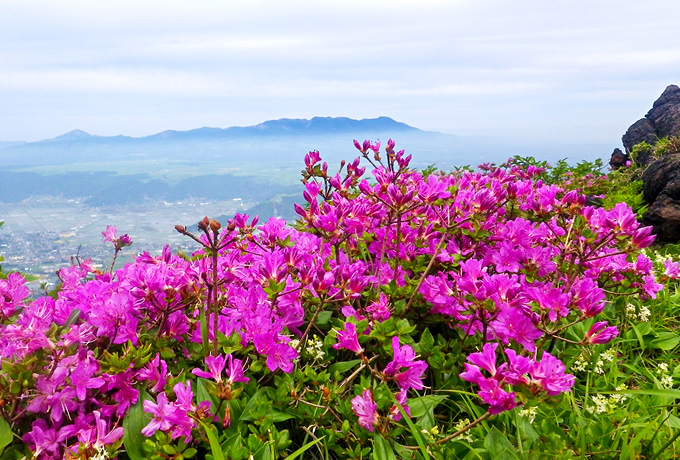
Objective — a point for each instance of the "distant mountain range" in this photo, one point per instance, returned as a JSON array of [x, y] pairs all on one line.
[[281, 127], [272, 142], [274, 146]]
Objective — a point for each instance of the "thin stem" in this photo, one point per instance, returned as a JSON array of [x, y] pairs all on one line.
[[464, 429], [440, 246], [396, 256], [113, 262], [311, 323], [215, 307]]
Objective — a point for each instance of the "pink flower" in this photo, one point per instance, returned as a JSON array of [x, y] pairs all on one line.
[[110, 233], [599, 333], [119, 242], [486, 359], [163, 412], [671, 269], [395, 413], [215, 367], [281, 356], [348, 339], [498, 399], [549, 375], [405, 357], [366, 410], [643, 237]]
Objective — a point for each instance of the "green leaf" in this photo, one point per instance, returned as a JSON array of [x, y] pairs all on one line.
[[5, 434], [382, 449], [669, 393], [665, 341], [499, 447], [639, 335], [264, 452], [426, 341], [343, 366], [304, 449], [215, 448], [134, 422], [202, 394], [673, 421], [323, 319], [251, 407], [250, 412], [414, 429], [420, 406]]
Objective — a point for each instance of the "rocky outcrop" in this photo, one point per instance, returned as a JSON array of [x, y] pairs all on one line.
[[661, 179], [662, 189], [618, 159], [661, 121]]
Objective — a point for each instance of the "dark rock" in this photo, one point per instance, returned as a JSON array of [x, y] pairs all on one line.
[[618, 159], [640, 131], [659, 175], [661, 179], [662, 120], [662, 189], [664, 217]]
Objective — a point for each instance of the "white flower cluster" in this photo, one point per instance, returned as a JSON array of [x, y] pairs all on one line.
[[101, 454], [580, 365], [606, 357], [665, 379], [642, 314], [460, 424], [529, 412], [601, 403], [315, 347]]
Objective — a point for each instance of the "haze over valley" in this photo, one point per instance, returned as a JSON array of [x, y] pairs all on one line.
[[59, 194]]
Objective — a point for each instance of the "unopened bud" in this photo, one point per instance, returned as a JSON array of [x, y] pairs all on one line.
[[226, 421], [180, 229], [215, 226], [231, 227], [204, 224]]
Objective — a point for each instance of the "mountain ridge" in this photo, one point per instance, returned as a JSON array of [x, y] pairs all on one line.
[[278, 127]]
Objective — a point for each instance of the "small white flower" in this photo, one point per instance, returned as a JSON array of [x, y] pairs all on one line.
[[462, 424], [598, 369], [101, 454], [667, 381], [631, 311], [608, 355], [616, 399], [579, 365], [644, 314], [530, 413], [600, 404], [662, 368]]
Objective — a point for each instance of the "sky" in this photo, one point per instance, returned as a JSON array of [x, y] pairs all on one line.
[[546, 71]]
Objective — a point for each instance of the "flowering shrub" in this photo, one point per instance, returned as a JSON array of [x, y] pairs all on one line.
[[395, 310]]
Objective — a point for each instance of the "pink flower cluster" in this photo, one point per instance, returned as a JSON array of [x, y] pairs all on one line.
[[546, 375], [497, 254]]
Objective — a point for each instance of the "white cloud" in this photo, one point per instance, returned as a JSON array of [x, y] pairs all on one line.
[[129, 66]]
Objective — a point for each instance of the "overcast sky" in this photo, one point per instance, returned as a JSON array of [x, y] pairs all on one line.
[[576, 71]]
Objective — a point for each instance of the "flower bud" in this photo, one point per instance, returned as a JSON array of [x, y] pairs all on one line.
[[204, 224]]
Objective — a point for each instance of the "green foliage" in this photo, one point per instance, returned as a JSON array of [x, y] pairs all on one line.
[[666, 146], [624, 405], [642, 153]]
